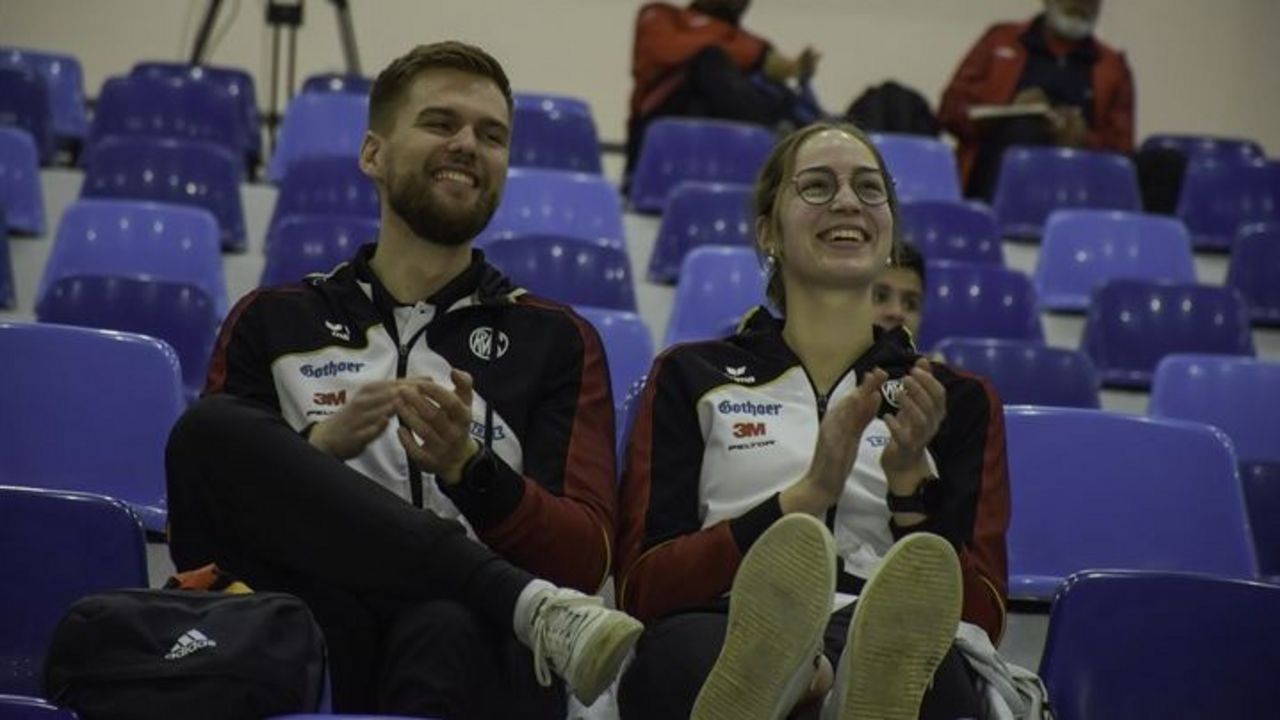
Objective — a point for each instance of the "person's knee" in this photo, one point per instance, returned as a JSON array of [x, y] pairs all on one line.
[[441, 625]]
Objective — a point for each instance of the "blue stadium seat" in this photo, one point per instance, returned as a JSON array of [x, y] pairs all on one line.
[[566, 269], [676, 150], [1035, 181], [1218, 197], [182, 172], [1095, 490], [1084, 248], [65, 80], [717, 286], [337, 82], [319, 124], [700, 214], [55, 548], [124, 238], [21, 196], [1254, 269], [1262, 496], [156, 106], [326, 186], [1229, 392], [22, 707], [1132, 324], [973, 300], [1197, 146], [24, 104], [554, 132], [627, 345], [1162, 645], [944, 230], [116, 394], [551, 202], [237, 83], [1027, 373], [922, 168], [7, 298], [179, 313], [300, 245]]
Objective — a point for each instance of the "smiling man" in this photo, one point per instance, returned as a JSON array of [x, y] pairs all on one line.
[[410, 442]]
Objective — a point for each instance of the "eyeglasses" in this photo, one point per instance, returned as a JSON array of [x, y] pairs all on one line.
[[819, 185]]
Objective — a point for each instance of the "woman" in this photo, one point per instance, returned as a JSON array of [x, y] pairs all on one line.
[[815, 413]]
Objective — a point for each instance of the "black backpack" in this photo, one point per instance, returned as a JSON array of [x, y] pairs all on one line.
[[891, 107], [141, 654]]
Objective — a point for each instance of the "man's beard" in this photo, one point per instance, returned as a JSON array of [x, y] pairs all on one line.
[[434, 220]]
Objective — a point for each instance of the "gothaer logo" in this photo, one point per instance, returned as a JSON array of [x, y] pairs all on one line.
[[481, 343]]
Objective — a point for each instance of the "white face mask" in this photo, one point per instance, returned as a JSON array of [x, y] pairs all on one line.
[[1068, 26]]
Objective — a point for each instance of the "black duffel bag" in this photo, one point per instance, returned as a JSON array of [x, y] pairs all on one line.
[[142, 654]]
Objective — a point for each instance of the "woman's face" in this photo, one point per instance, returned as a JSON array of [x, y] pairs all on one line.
[[840, 243]]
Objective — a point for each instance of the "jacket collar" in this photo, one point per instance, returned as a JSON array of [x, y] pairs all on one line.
[[1033, 38], [891, 350], [480, 282]]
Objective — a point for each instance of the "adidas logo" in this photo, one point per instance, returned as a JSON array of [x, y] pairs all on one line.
[[191, 641]]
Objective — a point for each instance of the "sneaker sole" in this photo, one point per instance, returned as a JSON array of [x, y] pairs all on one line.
[[602, 661], [904, 623], [778, 609]]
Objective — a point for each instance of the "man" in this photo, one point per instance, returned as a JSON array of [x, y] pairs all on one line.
[[897, 296], [359, 426], [1077, 90], [698, 62]]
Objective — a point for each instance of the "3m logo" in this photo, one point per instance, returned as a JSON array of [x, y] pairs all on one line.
[[749, 430], [329, 399], [190, 641]]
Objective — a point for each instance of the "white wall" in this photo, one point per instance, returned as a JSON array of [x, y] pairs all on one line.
[[1200, 65]]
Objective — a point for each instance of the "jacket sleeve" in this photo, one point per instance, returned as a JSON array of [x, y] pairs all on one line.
[[241, 363], [970, 453], [967, 88], [665, 39], [667, 561], [557, 519], [1113, 124]]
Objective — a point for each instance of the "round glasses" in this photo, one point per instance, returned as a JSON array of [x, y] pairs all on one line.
[[818, 186]]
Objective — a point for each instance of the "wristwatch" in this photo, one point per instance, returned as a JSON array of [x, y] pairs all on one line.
[[924, 500], [479, 472]]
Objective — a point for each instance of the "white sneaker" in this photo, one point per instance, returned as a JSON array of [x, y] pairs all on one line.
[[581, 640], [902, 627], [778, 609]]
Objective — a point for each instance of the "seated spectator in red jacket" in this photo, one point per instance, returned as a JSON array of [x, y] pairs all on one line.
[[1053, 60], [698, 62]]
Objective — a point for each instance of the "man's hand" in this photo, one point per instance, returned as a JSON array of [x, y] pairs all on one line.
[[1030, 96], [1069, 127], [435, 425], [346, 433], [807, 63], [780, 68]]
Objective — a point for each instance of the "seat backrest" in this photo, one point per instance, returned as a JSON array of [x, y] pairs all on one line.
[[717, 285], [698, 214], [21, 195], [1027, 373], [337, 82], [973, 300], [322, 185], [236, 82], [1158, 645], [1218, 196], [1224, 391], [1253, 269], [176, 106], [922, 168], [24, 103], [676, 150], [22, 707], [319, 124], [554, 132], [551, 202], [1101, 490], [7, 298], [179, 313], [1262, 497], [1082, 248], [1132, 324], [1034, 181], [299, 245], [56, 547], [628, 346], [565, 269], [126, 238], [1196, 146], [946, 230], [65, 79], [117, 394], [183, 172]]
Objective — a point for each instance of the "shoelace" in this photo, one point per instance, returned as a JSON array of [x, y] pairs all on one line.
[[556, 627]]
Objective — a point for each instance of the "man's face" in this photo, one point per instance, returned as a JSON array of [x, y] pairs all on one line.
[[730, 11], [897, 299], [442, 165], [1072, 19]]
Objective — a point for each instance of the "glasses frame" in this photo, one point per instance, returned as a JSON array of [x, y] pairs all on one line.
[[835, 181]]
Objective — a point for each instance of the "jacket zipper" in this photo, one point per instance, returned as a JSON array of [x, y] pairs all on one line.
[[402, 370]]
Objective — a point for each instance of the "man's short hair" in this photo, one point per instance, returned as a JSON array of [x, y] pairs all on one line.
[[907, 257], [392, 83]]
